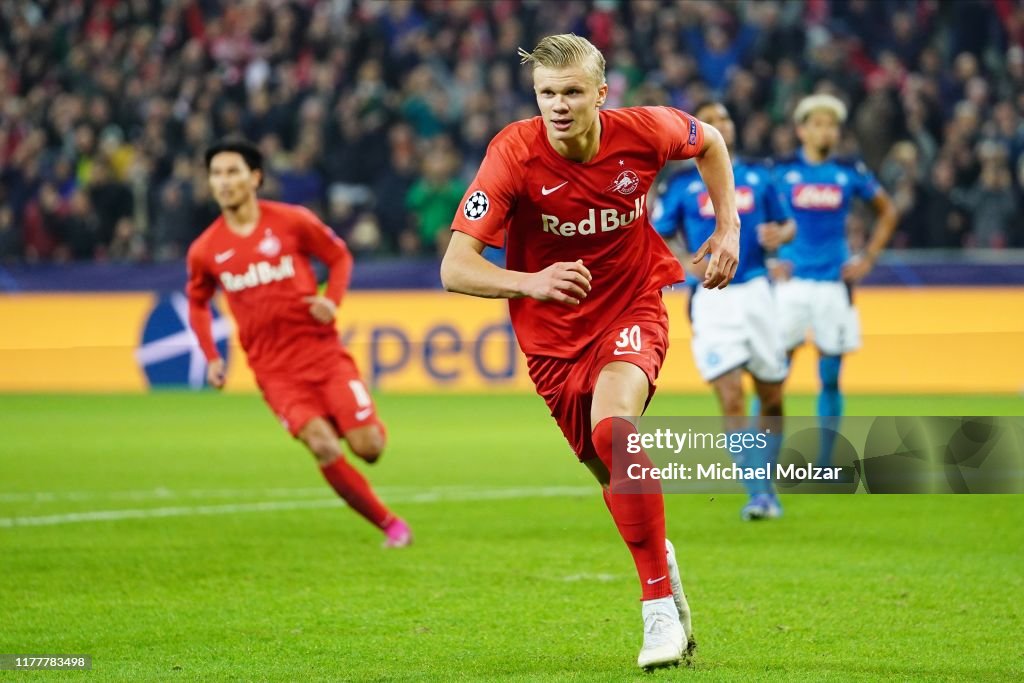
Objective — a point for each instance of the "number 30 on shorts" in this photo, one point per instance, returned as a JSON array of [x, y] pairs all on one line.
[[628, 342]]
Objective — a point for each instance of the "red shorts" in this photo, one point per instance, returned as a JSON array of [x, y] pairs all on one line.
[[639, 336], [340, 397]]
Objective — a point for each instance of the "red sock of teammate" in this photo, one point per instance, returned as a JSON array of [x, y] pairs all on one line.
[[355, 490], [640, 518]]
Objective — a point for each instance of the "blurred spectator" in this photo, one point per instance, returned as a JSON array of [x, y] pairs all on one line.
[[111, 200], [78, 230], [41, 224], [348, 213], [434, 199], [174, 224], [301, 183], [900, 175], [393, 186], [991, 201], [127, 243], [787, 88], [10, 241], [947, 222], [719, 45]]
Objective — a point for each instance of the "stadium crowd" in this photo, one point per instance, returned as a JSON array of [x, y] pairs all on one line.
[[375, 114]]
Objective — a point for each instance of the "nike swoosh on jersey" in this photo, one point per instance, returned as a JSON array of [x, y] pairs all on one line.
[[544, 190], [223, 256], [620, 352], [364, 413]]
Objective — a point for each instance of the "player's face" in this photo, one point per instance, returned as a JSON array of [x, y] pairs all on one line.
[[568, 99], [232, 182], [717, 115], [820, 131]]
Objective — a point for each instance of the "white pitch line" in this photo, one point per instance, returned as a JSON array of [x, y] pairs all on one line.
[[159, 493], [167, 494], [426, 497], [148, 513]]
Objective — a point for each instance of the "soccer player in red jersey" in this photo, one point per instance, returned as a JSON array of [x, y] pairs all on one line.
[[565, 193], [258, 253]]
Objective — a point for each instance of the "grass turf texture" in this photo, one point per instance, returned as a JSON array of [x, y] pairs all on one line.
[[507, 580]]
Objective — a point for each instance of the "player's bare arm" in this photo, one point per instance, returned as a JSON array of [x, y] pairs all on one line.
[[466, 271], [859, 266], [200, 319], [724, 244], [330, 250], [773, 235], [201, 286]]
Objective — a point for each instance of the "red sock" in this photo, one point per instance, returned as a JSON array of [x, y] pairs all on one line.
[[355, 490], [640, 518]]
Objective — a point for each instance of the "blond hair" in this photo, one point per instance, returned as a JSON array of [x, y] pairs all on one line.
[[820, 102], [566, 49]]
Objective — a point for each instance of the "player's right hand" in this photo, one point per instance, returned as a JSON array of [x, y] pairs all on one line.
[[568, 283], [215, 373], [724, 247]]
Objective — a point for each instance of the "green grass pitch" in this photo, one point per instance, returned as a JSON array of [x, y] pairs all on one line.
[[186, 537]]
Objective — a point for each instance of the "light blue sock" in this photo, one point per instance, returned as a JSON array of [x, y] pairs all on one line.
[[774, 445], [755, 407], [751, 457], [830, 406]]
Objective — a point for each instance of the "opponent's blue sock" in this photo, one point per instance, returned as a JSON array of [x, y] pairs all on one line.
[[830, 406], [755, 411], [750, 457], [774, 445]]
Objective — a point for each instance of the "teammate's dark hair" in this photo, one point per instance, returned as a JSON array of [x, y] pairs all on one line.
[[250, 153]]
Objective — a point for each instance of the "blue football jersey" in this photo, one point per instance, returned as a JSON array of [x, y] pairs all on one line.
[[821, 196], [684, 204]]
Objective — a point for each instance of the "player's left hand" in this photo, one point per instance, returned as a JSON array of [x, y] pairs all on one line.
[[321, 308], [857, 268], [724, 247]]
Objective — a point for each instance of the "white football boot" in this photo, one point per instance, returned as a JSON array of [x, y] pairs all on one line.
[[682, 606], [664, 640]]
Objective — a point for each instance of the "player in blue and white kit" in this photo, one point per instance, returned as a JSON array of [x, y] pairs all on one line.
[[820, 190], [734, 329]]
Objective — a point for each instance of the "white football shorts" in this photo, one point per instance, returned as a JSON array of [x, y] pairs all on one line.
[[826, 308], [738, 327]]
